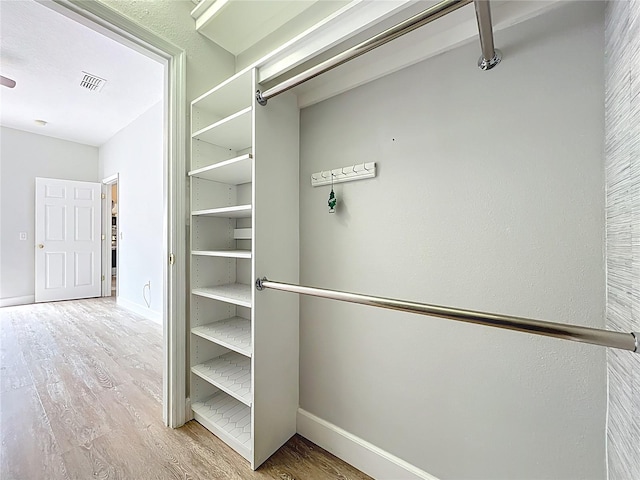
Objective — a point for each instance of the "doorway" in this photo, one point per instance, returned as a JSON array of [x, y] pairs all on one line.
[[110, 227], [171, 160], [114, 238]]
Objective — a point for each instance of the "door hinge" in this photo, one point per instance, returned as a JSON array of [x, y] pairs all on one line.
[[103, 237], [172, 259], [103, 196], [103, 278]]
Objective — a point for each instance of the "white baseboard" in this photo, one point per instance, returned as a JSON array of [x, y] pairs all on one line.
[[12, 301], [354, 450], [140, 310]]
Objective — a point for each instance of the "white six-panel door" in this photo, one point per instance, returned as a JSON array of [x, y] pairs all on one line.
[[67, 250]]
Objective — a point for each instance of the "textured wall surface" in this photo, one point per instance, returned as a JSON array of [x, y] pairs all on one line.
[[622, 147], [207, 63]]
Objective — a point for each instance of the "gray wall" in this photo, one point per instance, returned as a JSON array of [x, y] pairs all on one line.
[[490, 197], [136, 154], [23, 157], [622, 70]]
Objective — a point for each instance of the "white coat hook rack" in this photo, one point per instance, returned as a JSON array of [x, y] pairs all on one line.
[[359, 171]]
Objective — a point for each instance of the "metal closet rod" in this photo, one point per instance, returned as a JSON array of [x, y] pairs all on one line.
[[490, 56], [575, 333]]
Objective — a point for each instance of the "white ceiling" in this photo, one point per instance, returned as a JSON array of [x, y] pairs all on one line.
[[46, 53]]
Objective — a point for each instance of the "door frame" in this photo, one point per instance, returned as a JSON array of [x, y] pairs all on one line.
[[109, 22], [107, 183]]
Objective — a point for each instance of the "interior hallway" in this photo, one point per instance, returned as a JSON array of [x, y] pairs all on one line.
[[80, 397]]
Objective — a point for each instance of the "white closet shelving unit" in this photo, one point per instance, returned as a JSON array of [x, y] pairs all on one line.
[[243, 348]]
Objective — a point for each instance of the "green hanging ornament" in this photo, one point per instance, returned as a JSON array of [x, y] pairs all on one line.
[[332, 198], [332, 202]]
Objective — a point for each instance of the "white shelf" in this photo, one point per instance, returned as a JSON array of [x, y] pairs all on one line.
[[233, 333], [264, 141], [223, 253], [237, 211], [232, 95], [236, 293], [231, 373], [236, 28], [229, 419], [232, 132], [235, 171]]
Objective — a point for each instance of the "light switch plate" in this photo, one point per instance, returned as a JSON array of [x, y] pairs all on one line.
[[23, 235]]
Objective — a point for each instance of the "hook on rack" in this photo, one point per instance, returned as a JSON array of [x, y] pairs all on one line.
[[359, 171]]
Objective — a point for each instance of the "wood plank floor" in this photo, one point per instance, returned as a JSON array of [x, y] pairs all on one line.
[[80, 398]]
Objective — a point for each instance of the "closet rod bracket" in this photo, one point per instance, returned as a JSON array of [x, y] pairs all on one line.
[[485, 64], [259, 281], [636, 335], [263, 101], [490, 55]]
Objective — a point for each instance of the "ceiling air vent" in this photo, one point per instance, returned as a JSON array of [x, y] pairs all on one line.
[[92, 82]]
